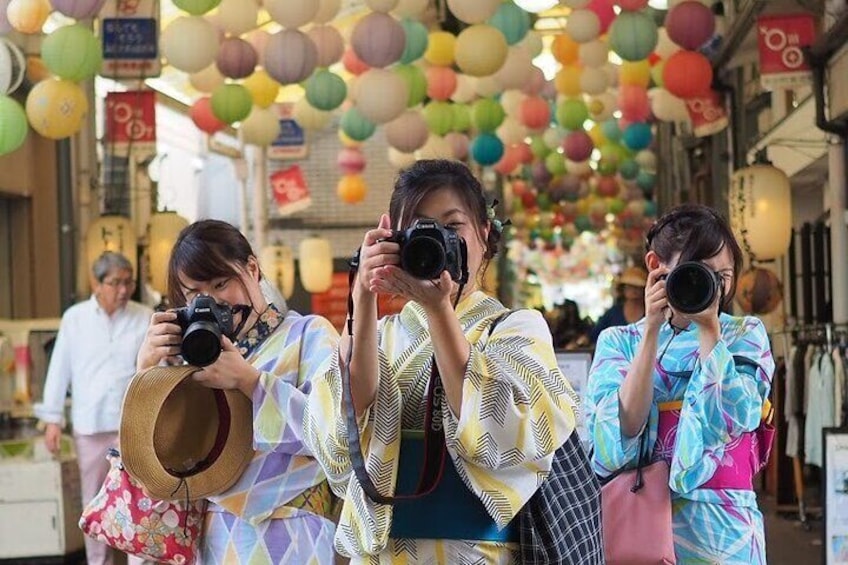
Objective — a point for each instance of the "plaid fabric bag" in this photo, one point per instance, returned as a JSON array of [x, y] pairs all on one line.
[[561, 523]]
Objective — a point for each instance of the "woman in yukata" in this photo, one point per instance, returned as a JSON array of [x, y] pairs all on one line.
[[279, 511], [697, 384], [484, 388]]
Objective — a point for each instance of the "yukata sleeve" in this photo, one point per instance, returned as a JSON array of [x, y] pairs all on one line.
[[724, 399], [612, 450], [285, 383]]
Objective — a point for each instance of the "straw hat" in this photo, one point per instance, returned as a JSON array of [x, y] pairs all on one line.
[[634, 276], [181, 440]]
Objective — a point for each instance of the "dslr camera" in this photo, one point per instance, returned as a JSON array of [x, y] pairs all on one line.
[[691, 287], [203, 322], [427, 248]]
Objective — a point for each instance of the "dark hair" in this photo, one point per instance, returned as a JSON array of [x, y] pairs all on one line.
[[424, 177], [697, 232], [206, 250]]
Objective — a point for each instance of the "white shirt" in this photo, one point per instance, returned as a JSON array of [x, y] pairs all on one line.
[[95, 355]]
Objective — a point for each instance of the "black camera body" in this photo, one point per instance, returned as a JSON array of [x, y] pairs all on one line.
[[203, 322], [427, 248], [691, 287]]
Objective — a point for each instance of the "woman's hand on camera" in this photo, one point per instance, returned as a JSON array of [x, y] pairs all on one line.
[[430, 294], [162, 341], [656, 301], [376, 254], [707, 320], [231, 371]]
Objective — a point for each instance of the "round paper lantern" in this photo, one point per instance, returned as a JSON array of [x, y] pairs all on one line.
[[516, 69], [535, 112], [416, 42], [329, 43], [690, 24], [231, 103], [238, 17], [236, 58], [646, 181], [400, 160], [512, 22], [262, 88], [14, 125], [571, 114], [308, 117], [292, 14], [352, 63], [190, 43], [325, 90], [637, 136], [487, 149], [480, 50], [202, 116], [567, 80], [632, 5], [759, 291], [162, 232], [465, 89], [356, 126], [408, 132], [460, 145], [111, 233], [382, 5], [657, 71], [196, 7], [378, 40], [473, 11], [511, 132], [594, 81], [277, 264], [665, 46], [555, 164], [416, 83], [441, 82], [258, 38], [594, 53], [647, 161], [633, 36], [536, 82], [351, 189], [578, 146], [487, 87], [667, 107], [439, 117], [208, 79], [381, 95], [441, 47], [461, 117], [761, 211], [72, 52], [261, 127], [28, 16], [511, 101], [290, 56], [56, 108], [554, 136], [487, 115], [633, 103], [78, 9], [327, 11], [687, 74], [411, 8], [350, 161], [437, 147], [583, 26], [605, 12], [316, 261], [635, 73], [565, 50]]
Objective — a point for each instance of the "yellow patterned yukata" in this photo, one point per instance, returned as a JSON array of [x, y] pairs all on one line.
[[517, 409]]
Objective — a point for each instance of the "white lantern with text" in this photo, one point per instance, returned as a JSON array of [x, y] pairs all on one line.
[[277, 263], [110, 233], [162, 232], [761, 211], [316, 264]]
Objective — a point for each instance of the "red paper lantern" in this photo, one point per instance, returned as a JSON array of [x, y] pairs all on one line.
[[202, 116], [690, 24], [607, 187], [605, 12], [535, 112], [352, 63], [351, 161], [441, 83], [633, 102], [687, 74]]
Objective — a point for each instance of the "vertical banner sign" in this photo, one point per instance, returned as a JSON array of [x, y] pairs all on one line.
[[707, 113], [290, 190], [131, 122], [130, 36], [291, 141], [781, 39]]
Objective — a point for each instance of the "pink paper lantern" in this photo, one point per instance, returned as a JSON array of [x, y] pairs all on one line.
[[690, 24], [523, 153], [378, 39], [535, 112], [330, 44], [77, 9], [535, 83], [459, 143], [441, 82], [290, 56], [578, 146], [202, 116], [508, 163], [634, 103], [236, 58], [351, 161], [605, 12]]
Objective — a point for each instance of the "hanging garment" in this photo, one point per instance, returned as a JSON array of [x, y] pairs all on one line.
[[839, 385], [792, 405], [820, 408]]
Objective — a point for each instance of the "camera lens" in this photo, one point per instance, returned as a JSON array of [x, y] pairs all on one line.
[[423, 257], [201, 343], [691, 287]]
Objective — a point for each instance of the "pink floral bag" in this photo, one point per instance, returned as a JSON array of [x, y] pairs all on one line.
[[122, 516]]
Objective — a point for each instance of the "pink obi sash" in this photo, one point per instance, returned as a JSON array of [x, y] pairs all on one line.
[[743, 457]]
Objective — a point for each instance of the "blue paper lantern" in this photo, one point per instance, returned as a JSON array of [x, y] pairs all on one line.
[[637, 136], [417, 39], [355, 126], [646, 181], [628, 169], [610, 130], [487, 149], [512, 21]]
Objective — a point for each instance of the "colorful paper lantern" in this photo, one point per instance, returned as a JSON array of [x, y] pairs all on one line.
[[202, 116], [350, 161], [437, 147], [535, 112], [327, 11], [512, 22], [383, 6], [236, 58], [487, 149], [231, 103], [277, 264], [637, 136], [308, 117], [56, 108], [690, 24], [72, 52], [583, 26], [262, 88], [460, 145], [536, 82], [667, 107], [605, 11], [441, 47], [567, 80], [325, 90], [416, 42], [28, 16], [316, 263], [594, 53], [408, 132], [511, 101], [461, 117], [208, 79], [78, 9], [292, 14], [378, 40], [634, 103], [14, 125], [162, 232], [473, 11], [487, 115], [439, 117], [381, 95], [632, 5], [356, 126], [238, 17], [441, 82], [329, 43], [635, 73], [351, 189], [555, 164], [633, 36], [480, 50], [578, 146], [594, 81], [511, 132], [565, 50], [572, 113], [190, 43], [261, 127], [416, 83], [687, 74], [400, 160], [760, 202], [290, 56], [196, 7], [516, 69], [353, 64]]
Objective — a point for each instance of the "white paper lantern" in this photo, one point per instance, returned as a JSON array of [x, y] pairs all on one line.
[[310, 118], [190, 43], [261, 127], [162, 232], [316, 264], [327, 11], [511, 101], [667, 107], [464, 91], [408, 132], [533, 44], [238, 16], [384, 6], [594, 53], [536, 6], [511, 131], [473, 11], [594, 81], [292, 14], [487, 86], [553, 137], [647, 161], [603, 106], [583, 26], [400, 160], [381, 95], [111, 233], [277, 264], [410, 8], [516, 70], [437, 147], [206, 80], [761, 211]]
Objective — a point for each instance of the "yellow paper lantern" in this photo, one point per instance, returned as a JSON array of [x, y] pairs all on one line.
[[308, 117], [481, 50], [441, 49], [162, 232], [28, 16], [190, 43], [761, 211], [277, 264], [110, 233], [316, 264], [636, 73], [567, 80], [56, 108], [263, 89]]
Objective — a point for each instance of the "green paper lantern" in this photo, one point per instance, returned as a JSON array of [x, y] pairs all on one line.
[[355, 126], [439, 117], [72, 52], [325, 90], [538, 147], [231, 103], [461, 118], [633, 35], [417, 38], [572, 113], [13, 125], [196, 7], [555, 163], [512, 21], [416, 81], [628, 169], [487, 115]]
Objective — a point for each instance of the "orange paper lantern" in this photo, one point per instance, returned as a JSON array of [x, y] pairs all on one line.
[[687, 74], [351, 189]]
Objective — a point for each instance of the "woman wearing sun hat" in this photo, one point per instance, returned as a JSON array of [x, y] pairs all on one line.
[[629, 304]]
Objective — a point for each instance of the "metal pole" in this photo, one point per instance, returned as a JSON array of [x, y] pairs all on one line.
[[67, 243], [839, 232], [260, 206]]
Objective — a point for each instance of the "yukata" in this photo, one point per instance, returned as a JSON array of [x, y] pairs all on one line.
[[278, 511], [721, 404], [517, 409]]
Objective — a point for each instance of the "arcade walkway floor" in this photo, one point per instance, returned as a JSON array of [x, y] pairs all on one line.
[[787, 542]]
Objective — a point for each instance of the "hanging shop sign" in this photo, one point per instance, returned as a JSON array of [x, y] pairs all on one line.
[[290, 190], [781, 39], [708, 114], [291, 141], [131, 122], [130, 35]]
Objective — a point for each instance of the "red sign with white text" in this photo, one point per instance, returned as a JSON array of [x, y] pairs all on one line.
[[781, 39], [290, 190], [131, 122], [708, 114]]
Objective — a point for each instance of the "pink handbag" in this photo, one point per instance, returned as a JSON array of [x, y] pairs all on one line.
[[637, 515]]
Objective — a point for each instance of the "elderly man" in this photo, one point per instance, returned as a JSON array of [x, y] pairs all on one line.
[[95, 355]]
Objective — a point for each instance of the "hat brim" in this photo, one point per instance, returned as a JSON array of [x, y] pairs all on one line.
[[143, 402]]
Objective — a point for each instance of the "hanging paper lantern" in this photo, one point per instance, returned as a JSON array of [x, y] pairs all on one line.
[[356, 126], [400, 160], [350, 161], [28, 16], [578, 146], [635, 73], [408, 132], [759, 291], [410, 8], [511, 101], [56, 108], [111, 233], [583, 26], [190, 43], [258, 39], [231, 103], [416, 83], [565, 50], [325, 90], [236, 58], [327, 11], [535, 112], [381, 95], [351, 189], [262, 88], [646, 181], [437, 147], [480, 50], [465, 89], [78, 9], [512, 22], [605, 11], [352, 63], [690, 24], [381, 5], [555, 164], [633, 103], [72, 52], [536, 82], [202, 116], [439, 117], [196, 7], [329, 43], [460, 145], [162, 232], [260, 128], [594, 53], [633, 36], [687, 74], [378, 40], [440, 48], [13, 66], [441, 82], [487, 149], [594, 81], [571, 114], [567, 80], [487, 87], [637, 136], [238, 17], [290, 56], [602, 107], [308, 117], [277, 264], [511, 132], [14, 125], [667, 107], [416, 42], [487, 115], [316, 263], [760, 202], [292, 14], [516, 69], [208, 79], [461, 117], [473, 11]]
